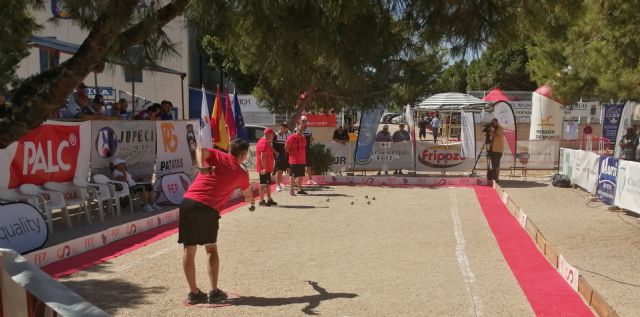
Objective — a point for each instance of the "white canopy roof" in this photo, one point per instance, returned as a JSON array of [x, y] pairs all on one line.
[[453, 101]]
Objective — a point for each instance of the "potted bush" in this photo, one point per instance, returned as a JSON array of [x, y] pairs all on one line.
[[321, 159]]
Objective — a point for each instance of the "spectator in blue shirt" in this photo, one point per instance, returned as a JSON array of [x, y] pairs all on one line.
[[165, 110]]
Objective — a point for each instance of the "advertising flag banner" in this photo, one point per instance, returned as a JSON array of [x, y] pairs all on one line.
[[53, 152], [506, 118], [607, 179], [367, 134], [546, 116], [611, 121], [22, 227], [625, 123], [176, 147], [205, 124], [628, 186], [134, 141]]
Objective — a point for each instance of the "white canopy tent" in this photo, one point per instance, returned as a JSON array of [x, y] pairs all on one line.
[[453, 101]]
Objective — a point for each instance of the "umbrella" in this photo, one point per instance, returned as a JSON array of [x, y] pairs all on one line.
[[453, 101]]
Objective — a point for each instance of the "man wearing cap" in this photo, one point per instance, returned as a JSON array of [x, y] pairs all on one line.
[[264, 166], [309, 136], [282, 161], [400, 135], [120, 173], [296, 148], [383, 135]]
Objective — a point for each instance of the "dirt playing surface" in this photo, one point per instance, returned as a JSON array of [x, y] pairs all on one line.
[[409, 252]]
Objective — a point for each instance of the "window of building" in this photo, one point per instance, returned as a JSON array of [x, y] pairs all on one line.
[[48, 59], [132, 74]]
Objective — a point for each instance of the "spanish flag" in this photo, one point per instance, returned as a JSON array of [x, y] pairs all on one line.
[[218, 125]]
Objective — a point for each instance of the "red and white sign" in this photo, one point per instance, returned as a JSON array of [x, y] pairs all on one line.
[[53, 152], [174, 186], [568, 272], [321, 120]]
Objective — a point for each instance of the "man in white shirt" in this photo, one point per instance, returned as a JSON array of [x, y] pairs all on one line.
[[436, 125]]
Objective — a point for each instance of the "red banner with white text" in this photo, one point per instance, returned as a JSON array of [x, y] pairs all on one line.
[[53, 152], [321, 120]]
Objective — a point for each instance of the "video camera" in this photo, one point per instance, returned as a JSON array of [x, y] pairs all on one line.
[[487, 129]]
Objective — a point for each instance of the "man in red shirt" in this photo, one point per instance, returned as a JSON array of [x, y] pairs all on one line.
[[264, 166], [220, 174], [296, 148]]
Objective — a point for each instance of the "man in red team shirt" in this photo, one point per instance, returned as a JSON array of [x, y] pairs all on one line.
[[296, 148], [220, 174], [264, 165]]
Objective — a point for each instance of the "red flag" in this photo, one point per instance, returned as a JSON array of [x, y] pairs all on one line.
[[218, 125], [231, 123]]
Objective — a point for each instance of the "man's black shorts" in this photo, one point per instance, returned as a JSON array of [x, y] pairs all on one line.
[[281, 165], [198, 224], [309, 158], [139, 188], [297, 170], [265, 179]]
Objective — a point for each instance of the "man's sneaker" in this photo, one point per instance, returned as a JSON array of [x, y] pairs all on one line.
[[263, 203], [156, 207], [148, 208], [193, 299], [292, 193], [270, 202], [216, 296], [279, 188], [302, 192]]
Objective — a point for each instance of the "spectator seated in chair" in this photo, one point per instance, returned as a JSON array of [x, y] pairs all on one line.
[[120, 173]]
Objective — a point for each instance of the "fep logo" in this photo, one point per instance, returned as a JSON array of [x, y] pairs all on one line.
[[169, 138], [48, 153], [437, 158], [106, 142]]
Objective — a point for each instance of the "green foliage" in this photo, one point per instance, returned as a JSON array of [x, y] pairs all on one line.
[[453, 78], [321, 158], [501, 67]]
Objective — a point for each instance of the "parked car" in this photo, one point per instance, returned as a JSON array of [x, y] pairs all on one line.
[[255, 132], [398, 119], [387, 117]]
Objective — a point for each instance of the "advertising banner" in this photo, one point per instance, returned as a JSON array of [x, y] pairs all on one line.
[[625, 122], [176, 147], [368, 128], [134, 141], [628, 186], [580, 109], [611, 120], [22, 227], [53, 152], [321, 120], [342, 155], [253, 112], [504, 113], [546, 116], [439, 157], [173, 187], [607, 179], [585, 174]]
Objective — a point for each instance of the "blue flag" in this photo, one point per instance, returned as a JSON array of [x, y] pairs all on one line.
[[366, 135], [241, 132]]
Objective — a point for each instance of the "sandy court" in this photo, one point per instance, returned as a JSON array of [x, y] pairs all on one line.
[[410, 252]]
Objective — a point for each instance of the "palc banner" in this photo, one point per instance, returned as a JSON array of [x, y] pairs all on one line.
[[611, 121], [366, 135], [134, 141], [607, 179], [53, 152], [176, 147], [625, 123], [628, 186]]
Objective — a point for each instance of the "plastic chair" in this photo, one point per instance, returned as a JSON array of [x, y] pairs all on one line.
[[99, 192], [117, 194], [73, 195], [52, 199]]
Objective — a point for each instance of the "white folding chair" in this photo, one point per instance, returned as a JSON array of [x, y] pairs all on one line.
[[99, 192], [52, 199], [117, 194], [11, 195], [73, 195]]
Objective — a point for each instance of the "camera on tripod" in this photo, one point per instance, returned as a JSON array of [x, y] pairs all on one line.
[[487, 129]]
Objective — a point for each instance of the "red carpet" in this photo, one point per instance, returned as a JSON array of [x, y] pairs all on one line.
[[547, 292], [85, 260]]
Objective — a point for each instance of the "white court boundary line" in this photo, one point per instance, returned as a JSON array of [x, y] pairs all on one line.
[[461, 256]]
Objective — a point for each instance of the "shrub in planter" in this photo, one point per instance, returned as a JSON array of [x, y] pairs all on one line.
[[320, 158]]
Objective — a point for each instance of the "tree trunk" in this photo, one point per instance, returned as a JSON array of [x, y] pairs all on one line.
[[40, 95]]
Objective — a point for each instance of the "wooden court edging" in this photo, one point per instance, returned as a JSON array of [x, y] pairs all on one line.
[[597, 303]]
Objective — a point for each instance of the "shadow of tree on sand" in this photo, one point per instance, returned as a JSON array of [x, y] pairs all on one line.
[[112, 294], [312, 301]]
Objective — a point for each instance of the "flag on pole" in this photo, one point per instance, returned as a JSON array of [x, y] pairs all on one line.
[[241, 131], [205, 125], [231, 124], [218, 125]]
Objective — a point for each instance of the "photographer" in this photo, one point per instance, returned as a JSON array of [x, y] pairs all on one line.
[[496, 147]]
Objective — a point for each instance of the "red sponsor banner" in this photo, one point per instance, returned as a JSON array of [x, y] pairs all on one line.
[[48, 154], [321, 120]]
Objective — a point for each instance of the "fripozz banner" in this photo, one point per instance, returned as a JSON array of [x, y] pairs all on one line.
[[53, 152], [176, 147], [134, 141]]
